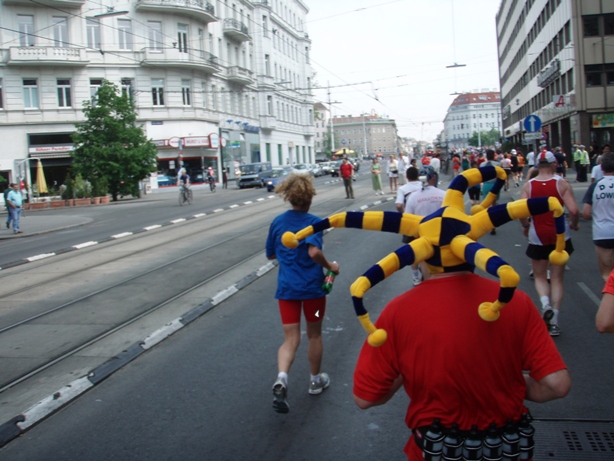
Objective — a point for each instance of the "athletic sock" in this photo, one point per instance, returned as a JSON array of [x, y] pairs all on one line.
[[555, 317], [283, 375], [417, 273], [545, 301], [315, 378]]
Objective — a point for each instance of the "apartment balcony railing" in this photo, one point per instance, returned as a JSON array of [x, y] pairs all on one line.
[[53, 3], [239, 75], [236, 30], [266, 82], [268, 122], [47, 55], [198, 9], [172, 57]]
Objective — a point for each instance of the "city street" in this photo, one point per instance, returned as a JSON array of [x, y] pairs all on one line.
[[205, 392]]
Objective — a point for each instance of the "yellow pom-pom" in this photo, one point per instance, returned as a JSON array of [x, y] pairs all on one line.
[[289, 240], [487, 312], [377, 338], [559, 258], [475, 209]]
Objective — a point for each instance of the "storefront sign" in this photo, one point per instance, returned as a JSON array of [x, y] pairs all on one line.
[[214, 141], [549, 74], [45, 149], [199, 141], [603, 120], [160, 142], [208, 142], [251, 128]]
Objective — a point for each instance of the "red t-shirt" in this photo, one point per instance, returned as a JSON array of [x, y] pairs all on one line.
[[543, 229], [609, 284], [456, 366], [346, 170]]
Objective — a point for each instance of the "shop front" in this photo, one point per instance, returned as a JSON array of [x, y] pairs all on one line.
[[240, 145]]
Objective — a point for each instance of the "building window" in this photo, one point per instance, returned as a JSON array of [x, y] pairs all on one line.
[[60, 31], [609, 75], [280, 155], [268, 151], [593, 75], [591, 25], [204, 89], [26, 29], [182, 37], [127, 87], [213, 97], [124, 28], [30, 93], [155, 35], [1, 98], [93, 33], [64, 93], [269, 105], [157, 91], [94, 84], [267, 65], [608, 24], [185, 92], [265, 26]]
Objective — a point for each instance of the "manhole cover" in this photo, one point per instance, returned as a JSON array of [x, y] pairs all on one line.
[[573, 440]]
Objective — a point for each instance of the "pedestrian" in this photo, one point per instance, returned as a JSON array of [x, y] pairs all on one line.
[[599, 206], [488, 185], [376, 176], [474, 191], [392, 170], [454, 389], [541, 233], [225, 178], [561, 162], [456, 164], [436, 164], [402, 165], [521, 165], [604, 320], [14, 201], [423, 202], [346, 170], [412, 162], [530, 161], [515, 168], [9, 216], [506, 164], [584, 164], [299, 287]]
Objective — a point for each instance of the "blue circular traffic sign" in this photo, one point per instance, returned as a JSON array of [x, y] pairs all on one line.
[[532, 123]]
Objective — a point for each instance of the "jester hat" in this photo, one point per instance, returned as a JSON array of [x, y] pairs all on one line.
[[446, 240]]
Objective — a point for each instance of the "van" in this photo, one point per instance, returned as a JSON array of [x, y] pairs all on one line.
[[254, 174]]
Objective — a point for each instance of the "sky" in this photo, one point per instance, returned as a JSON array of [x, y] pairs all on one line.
[[389, 57]]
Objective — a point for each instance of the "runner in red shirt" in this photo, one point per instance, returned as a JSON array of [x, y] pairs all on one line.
[[346, 170]]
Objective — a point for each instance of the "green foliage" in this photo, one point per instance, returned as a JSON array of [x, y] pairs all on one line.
[[100, 187], [81, 187], [69, 191], [110, 145], [488, 138]]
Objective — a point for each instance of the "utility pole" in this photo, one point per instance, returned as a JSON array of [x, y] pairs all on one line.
[[330, 119], [364, 136]]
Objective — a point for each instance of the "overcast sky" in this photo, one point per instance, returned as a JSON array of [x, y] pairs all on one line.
[[401, 49]]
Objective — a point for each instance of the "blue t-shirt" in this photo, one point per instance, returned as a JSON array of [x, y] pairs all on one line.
[[300, 277]]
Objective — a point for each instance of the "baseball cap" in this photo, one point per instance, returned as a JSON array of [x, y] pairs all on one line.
[[513, 152], [428, 171], [546, 157]]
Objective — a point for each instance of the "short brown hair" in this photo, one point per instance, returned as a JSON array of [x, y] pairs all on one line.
[[297, 189]]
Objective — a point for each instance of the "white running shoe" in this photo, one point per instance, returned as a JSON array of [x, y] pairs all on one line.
[[280, 396], [316, 386]]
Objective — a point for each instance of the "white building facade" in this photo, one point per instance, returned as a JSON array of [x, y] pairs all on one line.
[[472, 112], [214, 83], [556, 61]]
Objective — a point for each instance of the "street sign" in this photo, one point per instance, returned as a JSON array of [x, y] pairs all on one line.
[[532, 136], [532, 123], [343, 141]]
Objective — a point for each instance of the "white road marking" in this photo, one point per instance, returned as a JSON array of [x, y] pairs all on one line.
[[41, 256], [161, 334], [589, 293], [155, 226], [233, 206], [261, 200], [222, 295], [177, 221], [200, 215], [248, 203], [84, 245], [124, 234], [218, 210], [364, 207]]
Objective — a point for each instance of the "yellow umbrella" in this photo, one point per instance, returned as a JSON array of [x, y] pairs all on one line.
[[40, 179]]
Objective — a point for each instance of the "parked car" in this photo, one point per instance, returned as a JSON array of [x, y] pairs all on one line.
[[164, 180], [355, 162], [316, 170], [196, 176], [334, 169], [277, 176], [303, 168], [326, 167]]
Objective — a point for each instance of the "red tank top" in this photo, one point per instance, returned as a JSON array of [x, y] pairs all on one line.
[[543, 230]]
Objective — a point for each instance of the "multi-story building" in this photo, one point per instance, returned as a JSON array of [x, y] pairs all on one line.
[[322, 126], [213, 82], [365, 134], [472, 112], [556, 62]]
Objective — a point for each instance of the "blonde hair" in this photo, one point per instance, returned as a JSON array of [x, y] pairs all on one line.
[[297, 189]]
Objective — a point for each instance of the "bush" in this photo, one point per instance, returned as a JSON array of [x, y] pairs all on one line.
[[81, 188], [69, 190], [100, 187]]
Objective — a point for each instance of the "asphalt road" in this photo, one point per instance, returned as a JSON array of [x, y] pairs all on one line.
[[205, 393]]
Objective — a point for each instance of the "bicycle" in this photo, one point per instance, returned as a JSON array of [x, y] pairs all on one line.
[[185, 195], [211, 180]]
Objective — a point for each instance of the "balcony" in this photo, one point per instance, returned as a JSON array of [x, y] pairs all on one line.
[[52, 3], [172, 57], [46, 55], [266, 82], [239, 75], [268, 122], [309, 130], [198, 9], [236, 30]]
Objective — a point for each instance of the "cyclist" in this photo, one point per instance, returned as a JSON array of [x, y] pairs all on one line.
[[211, 178], [184, 179]]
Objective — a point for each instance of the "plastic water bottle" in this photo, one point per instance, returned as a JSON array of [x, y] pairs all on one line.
[[511, 443], [527, 443], [329, 279], [493, 445], [433, 442], [472, 448], [452, 445]]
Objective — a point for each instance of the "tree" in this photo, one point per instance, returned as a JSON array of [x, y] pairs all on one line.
[[488, 138], [111, 148]]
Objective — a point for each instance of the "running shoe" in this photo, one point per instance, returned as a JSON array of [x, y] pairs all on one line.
[[280, 396], [531, 273], [554, 330], [547, 315], [417, 280], [316, 386]]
